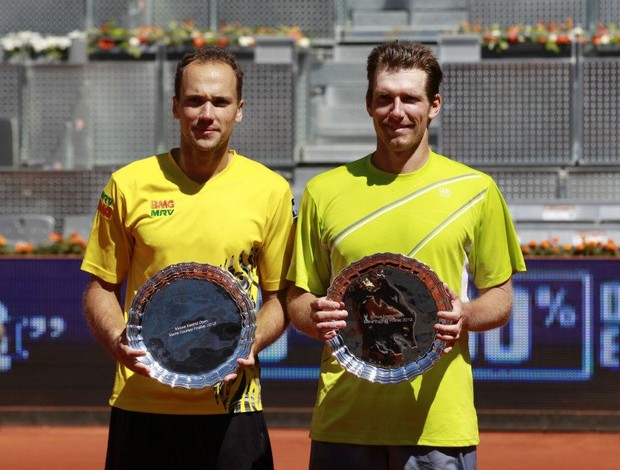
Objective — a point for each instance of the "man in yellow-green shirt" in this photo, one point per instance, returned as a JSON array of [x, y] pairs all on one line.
[[403, 198], [203, 203]]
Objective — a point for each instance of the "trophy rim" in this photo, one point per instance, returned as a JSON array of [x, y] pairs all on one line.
[[377, 373], [191, 271]]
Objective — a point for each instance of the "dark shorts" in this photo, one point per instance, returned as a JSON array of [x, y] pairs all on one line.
[[332, 456], [237, 441]]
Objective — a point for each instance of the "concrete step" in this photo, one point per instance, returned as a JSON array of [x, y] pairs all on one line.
[[439, 4], [340, 117], [346, 97], [379, 4], [439, 20], [338, 74], [352, 53], [380, 18], [334, 154], [376, 34]]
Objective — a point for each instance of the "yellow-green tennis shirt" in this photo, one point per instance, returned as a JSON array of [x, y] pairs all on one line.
[[447, 215]]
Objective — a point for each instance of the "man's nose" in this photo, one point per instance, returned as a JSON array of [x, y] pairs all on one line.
[[206, 110], [397, 108]]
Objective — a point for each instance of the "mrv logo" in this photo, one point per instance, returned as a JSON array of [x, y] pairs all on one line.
[[162, 208]]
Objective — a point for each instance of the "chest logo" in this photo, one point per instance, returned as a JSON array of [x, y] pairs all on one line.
[[162, 208]]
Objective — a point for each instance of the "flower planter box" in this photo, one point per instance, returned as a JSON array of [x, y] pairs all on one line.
[[602, 50], [529, 50], [118, 55], [147, 52]]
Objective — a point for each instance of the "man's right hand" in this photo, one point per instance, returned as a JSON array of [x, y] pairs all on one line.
[[129, 357], [328, 317]]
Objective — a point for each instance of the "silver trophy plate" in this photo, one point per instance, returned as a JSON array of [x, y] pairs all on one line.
[[392, 301], [194, 321]]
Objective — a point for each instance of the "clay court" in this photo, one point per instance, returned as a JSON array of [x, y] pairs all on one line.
[[83, 447]]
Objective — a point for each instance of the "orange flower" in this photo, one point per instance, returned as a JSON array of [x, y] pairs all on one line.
[[567, 247], [198, 40], [222, 42], [55, 237], [75, 238], [563, 39], [2, 241], [295, 32], [532, 244], [24, 247]]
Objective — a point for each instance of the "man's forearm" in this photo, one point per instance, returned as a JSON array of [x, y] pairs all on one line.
[[103, 313], [491, 309], [298, 303], [271, 320]]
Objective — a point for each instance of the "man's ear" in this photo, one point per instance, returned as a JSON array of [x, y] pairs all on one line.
[[435, 107], [239, 115], [175, 105]]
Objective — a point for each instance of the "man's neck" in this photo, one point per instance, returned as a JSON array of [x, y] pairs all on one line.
[[400, 162], [201, 167]]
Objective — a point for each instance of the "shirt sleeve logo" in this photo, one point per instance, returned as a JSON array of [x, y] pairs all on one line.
[[105, 205]]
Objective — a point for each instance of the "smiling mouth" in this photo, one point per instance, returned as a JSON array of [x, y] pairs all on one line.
[[399, 129], [208, 130]]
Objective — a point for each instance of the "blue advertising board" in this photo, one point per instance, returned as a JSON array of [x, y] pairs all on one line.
[[562, 343]]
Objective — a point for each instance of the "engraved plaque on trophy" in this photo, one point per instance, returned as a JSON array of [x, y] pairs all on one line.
[[392, 301], [194, 321]]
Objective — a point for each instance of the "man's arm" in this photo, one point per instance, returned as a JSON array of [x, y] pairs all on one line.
[[271, 321], [317, 317], [105, 319], [490, 309]]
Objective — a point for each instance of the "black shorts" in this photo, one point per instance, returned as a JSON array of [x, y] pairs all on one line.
[[237, 441]]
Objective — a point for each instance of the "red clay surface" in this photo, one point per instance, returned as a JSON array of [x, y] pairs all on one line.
[[83, 448]]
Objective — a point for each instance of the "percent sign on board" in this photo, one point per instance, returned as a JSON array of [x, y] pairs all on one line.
[[559, 312]]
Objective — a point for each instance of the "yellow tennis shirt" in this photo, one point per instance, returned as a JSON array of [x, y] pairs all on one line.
[[151, 215]]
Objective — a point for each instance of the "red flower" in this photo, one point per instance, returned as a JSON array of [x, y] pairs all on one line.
[[106, 44]]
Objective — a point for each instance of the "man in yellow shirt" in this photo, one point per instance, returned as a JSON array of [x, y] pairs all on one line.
[[403, 198], [203, 203]]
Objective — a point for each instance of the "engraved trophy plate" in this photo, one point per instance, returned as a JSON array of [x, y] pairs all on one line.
[[194, 321], [392, 301]]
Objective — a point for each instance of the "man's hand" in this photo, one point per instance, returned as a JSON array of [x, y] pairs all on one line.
[[450, 332], [128, 356], [249, 361], [328, 317], [317, 317]]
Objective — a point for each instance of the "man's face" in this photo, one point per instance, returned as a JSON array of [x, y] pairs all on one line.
[[207, 107], [400, 109]]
